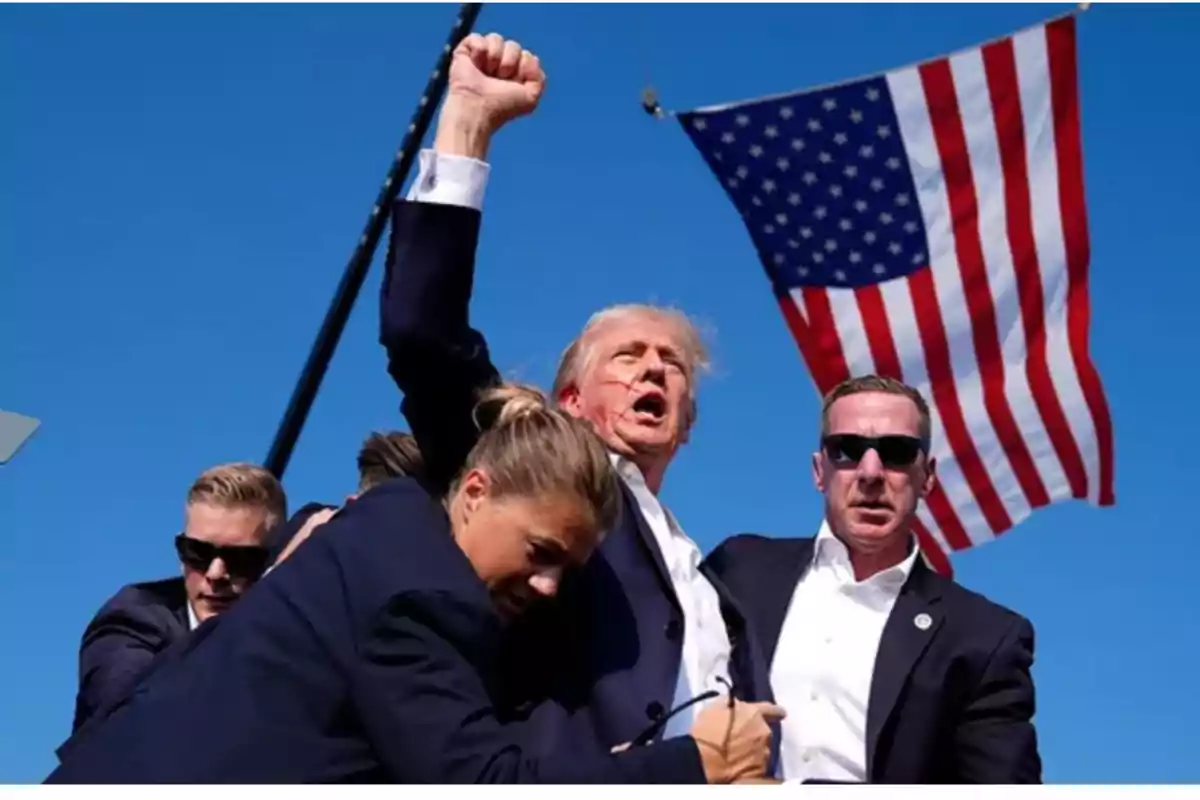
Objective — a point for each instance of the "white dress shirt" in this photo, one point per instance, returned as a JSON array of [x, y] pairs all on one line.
[[450, 180], [461, 181], [706, 647], [193, 623], [825, 659]]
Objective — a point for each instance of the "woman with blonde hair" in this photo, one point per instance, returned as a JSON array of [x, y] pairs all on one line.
[[370, 655]]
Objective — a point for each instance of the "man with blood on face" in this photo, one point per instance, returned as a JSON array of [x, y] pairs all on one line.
[[641, 629]]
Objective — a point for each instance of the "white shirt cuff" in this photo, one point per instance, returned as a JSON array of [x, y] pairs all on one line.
[[450, 180]]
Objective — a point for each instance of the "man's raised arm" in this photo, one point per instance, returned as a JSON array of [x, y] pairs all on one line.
[[436, 359]]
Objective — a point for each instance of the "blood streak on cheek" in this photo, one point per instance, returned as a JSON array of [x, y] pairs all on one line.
[[627, 405]]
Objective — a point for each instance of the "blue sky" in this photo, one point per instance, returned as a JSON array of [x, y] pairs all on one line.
[[180, 187]]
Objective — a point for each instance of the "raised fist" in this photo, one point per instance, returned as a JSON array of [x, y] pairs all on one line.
[[494, 78]]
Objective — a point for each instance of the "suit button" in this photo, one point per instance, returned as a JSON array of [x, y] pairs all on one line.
[[654, 710], [674, 630]]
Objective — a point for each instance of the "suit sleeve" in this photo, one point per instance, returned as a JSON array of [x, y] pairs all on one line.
[[429, 716], [434, 356], [118, 646], [996, 742]]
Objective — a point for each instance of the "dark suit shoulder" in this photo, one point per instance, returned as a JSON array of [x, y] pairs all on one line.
[[168, 593], [393, 540], [985, 612], [279, 538], [744, 548]]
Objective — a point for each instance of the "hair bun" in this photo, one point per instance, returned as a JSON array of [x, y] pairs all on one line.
[[503, 405]]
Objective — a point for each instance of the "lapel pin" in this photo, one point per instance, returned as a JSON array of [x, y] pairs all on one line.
[[923, 621]]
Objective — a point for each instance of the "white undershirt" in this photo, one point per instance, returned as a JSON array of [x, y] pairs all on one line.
[[825, 660]]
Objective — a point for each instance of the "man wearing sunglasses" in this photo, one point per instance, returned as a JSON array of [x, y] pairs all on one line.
[[229, 513], [890, 672]]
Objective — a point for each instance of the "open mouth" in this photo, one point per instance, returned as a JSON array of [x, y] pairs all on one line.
[[874, 506], [652, 405]]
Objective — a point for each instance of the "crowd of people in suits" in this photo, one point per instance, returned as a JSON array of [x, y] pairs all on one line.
[[505, 598]]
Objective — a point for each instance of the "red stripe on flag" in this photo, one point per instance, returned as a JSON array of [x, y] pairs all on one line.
[[824, 330], [947, 519], [951, 137], [1000, 66], [879, 333], [945, 397], [827, 372], [887, 362], [1064, 100]]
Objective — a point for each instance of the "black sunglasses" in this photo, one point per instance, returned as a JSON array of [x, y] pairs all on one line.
[[246, 561], [895, 451], [646, 736]]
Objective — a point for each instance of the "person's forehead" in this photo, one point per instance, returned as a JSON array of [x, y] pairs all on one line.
[[644, 328], [874, 413], [218, 524]]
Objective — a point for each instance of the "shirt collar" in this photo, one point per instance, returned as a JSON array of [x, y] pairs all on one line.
[[830, 551], [193, 623], [627, 470]]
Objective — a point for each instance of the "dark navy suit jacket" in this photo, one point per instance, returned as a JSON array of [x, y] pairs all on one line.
[[366, 656], [127, 633], [610, 648], [283, 534], [137, 624], [951, 703]]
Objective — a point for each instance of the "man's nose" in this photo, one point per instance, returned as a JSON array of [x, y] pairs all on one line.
[[546, 583], [870, 467], [216, 570], [654, 370]]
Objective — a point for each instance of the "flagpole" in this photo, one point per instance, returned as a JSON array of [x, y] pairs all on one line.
[[356, 270]]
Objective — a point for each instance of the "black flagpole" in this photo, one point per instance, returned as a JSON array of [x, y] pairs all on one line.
[[356, 271]]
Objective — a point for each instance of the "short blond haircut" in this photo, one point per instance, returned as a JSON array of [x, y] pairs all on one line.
[[241, 485], [579, 355], [528, 448]]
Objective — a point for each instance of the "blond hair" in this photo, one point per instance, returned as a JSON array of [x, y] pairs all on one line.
[[579, 355], [883, 385], [241, 485], [530, 449]]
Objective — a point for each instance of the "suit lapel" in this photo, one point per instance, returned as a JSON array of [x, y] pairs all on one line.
[[778, 580], [634, 510], [179, 606], [914, 621]]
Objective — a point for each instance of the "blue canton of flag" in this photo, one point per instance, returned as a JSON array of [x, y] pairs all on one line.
[[822, 181]]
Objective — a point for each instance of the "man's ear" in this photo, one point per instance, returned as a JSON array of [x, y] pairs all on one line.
[[569, 400], [930, 477], [818, 471]]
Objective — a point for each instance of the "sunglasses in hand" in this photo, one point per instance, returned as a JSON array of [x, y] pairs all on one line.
[[243, 561], [647, 736]]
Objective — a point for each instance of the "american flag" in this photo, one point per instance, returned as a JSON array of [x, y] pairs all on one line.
[[929, 224]]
